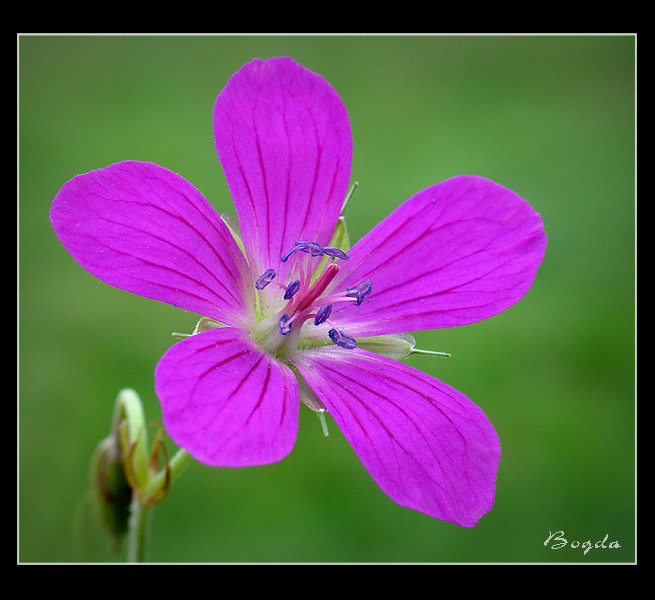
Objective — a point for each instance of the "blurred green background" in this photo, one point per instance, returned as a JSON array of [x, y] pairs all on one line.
[[552, 117]]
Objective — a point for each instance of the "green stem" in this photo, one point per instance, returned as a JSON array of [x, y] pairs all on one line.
[[178, 462], [138, 526], [138, 523], [176, 466]]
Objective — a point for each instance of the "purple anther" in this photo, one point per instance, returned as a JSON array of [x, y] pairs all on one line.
[[285, 324], [311, 247], [264, 279], [291, 290], [322, 314], [286, 255], [335, 252], [360, 291], [341, 339]]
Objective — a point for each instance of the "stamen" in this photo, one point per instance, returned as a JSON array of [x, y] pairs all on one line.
[[335, 252], [311, 247], [360, 291], [264, 279], [286, 255], [285, 324], [342, 340], [323, 314], [292, 289], [310, 299]]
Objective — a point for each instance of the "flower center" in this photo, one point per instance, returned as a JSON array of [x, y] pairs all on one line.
[[300, 300]]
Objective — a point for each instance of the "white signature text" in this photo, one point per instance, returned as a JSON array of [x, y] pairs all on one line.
[[557, 541]]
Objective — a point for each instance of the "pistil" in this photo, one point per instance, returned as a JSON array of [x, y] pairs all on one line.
[[319, 286]]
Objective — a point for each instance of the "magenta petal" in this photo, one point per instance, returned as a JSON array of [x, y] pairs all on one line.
[[146, 230], [225, 401], [283, 138], [426, 445], [455, 253]]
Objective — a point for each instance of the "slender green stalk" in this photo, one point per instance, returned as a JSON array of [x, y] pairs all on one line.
[[178, 462], [138, 531], [139, 511]]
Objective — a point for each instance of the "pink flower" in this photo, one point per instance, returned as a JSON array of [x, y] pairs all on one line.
[[278, 329]]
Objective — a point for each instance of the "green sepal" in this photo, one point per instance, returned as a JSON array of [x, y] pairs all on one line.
[[232, 224], [310, 399], [340, 237], [339, 240], [129, 422], [203, 324], [135, 461], [397, 346], [158, 483]]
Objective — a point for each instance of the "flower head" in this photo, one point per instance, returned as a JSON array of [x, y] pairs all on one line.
[[296, 310]]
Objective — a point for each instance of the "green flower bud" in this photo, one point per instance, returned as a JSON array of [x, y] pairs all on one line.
[[111, 492]]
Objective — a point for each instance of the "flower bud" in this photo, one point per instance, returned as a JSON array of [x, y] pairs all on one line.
[[123, 469], [111, 492]]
